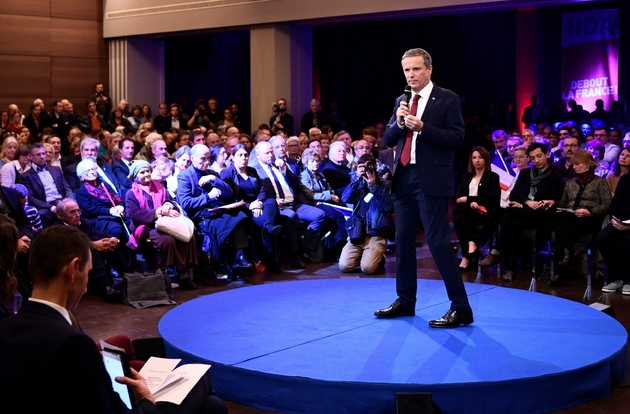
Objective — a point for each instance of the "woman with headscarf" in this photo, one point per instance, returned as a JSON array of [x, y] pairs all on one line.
[[146, 202], [99, 201]]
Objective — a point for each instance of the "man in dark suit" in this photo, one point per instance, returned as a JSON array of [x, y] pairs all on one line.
[[162, 122], [285, 186], [42, 352], [92, 120], [534, 113], [121, 166], [46, 185], [426, 135], [89, 149], [279, 146], [281, 119]]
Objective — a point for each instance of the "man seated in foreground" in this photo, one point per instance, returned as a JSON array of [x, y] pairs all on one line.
[[50, 366]]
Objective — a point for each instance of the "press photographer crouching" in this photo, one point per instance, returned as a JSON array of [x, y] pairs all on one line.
[[371, 223]]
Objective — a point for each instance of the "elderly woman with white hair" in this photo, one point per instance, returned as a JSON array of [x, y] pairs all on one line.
[[148, 200], [99, 202]]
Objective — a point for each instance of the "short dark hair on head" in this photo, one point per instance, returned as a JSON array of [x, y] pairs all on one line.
[[238, 147], [53, 249], [535, 145], [484, 154], [36, 145]]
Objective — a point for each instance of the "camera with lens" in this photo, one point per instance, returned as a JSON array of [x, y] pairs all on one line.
[[275, 108], [370, 166]]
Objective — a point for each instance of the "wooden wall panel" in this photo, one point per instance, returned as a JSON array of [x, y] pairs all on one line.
[[77, 38], [77, 9], [24, 78], [24, 35], [51, 49], [27, 7], [74, 78]]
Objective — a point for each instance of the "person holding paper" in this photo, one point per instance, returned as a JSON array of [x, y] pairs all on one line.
[[50, 366], [586, 199], [533, 203], [478, 203]]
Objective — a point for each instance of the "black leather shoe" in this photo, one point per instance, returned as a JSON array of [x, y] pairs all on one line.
[[188, 284], [310, 258], [111, 295], [296, 264], [241, 263], [453, 319], [395, 310], [271, 230]]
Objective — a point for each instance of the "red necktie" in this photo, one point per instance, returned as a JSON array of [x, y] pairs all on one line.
[[405, 155]]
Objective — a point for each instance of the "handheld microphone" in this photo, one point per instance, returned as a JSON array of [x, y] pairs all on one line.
[[407, 99]]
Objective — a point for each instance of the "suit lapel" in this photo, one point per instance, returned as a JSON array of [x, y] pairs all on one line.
[[430, 102]]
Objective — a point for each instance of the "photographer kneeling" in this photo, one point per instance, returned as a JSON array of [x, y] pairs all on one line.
[[372, 213]]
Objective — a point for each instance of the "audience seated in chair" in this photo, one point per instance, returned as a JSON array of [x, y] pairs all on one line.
[[586, 199], [317, 191], [613, 241], [263, 210], [99, 201], [285, 187], [201, 190], [46, 185], [533, 203], [107, 252], [147, 201], [335, 170], [478, 204]]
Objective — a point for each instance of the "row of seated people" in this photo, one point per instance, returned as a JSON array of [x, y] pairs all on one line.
[[114, 211], [540, 198]]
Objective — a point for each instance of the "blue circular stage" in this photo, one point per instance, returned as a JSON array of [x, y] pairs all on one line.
[[315, 347]]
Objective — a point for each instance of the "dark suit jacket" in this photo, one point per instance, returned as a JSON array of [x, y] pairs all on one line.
[[386, 156], [49, 366], [488, 192], [162, 123], [121, 172], [70, 173], [442, 134], [292, 179], [230, 176], [17, 212], [36, 191], [87, 121], [194, 199]]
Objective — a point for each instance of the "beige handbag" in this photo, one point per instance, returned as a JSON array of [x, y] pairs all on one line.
[[182, 228]]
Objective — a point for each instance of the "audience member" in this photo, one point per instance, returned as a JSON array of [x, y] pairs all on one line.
[[147, 201], [284, 186], [370, 196], [533, 203], [99, 202], [40, 343], [335, 170], [621, 167], [585, 202], [200, 192], [11, 171], [564, 166], [46, 185], [263, 210], [478, 204], [613, 242]]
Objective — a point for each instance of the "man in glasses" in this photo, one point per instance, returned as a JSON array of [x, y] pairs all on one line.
[[564, 166], [106, 251]]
